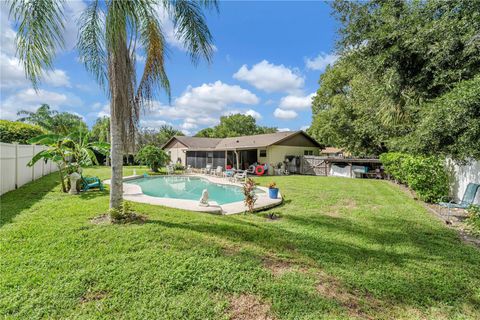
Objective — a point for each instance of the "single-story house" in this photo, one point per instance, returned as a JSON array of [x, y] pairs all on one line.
[[241, 152]]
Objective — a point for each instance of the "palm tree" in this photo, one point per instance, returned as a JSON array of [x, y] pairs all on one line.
[[109, 35], [52, 120], [43, 117]]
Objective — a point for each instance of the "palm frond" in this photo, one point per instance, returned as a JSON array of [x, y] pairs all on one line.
[[91, 42], [191, 27], [154, 74], [39, 34]]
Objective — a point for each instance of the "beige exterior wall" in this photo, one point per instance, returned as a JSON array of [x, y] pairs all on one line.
[[276, 154], [177, 152]]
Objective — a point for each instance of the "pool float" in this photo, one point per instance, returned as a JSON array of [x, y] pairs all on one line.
[[260, 170]]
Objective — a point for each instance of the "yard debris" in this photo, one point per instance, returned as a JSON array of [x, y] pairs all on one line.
[[93, 296]]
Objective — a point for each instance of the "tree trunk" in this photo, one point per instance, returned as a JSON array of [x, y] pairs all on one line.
[[119, 106], [107, 159], [116, 152]]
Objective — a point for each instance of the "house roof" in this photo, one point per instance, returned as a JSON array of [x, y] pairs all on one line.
[[244, 142]]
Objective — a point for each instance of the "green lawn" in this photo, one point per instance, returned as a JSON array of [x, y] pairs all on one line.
[[343, 249]]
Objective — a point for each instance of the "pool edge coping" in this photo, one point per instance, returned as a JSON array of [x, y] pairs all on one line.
[[133, 192]]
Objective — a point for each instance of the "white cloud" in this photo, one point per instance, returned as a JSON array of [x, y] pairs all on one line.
[[296, 102], [202, 105], [270, 78], [304, 128], [321, 62], [29, 99], [283, 129], [73, 10], [285, 114], [249, 112], [254, 114], [57, 78]]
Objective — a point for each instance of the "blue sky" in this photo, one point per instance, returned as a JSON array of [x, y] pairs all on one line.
[[268, 59]]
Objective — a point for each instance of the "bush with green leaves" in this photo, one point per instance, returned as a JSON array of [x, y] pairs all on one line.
[[11, 131], [153, 157], [427, 176], [473, 219]]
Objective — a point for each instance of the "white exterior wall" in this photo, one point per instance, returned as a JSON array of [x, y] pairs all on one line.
[[461, 176], [14, 171]]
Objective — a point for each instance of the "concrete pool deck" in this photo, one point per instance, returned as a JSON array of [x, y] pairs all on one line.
[[133, 192]]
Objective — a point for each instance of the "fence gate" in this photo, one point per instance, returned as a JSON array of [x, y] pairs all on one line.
[[314, 165]]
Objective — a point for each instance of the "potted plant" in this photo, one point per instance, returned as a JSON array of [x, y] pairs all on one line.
[[273, 190]]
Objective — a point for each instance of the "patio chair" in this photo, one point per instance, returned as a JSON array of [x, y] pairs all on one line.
[[207, 169], [240, 175], [170, 169], [188, 169], [218, 171], [467, 200], [229, 173], [91, 182]]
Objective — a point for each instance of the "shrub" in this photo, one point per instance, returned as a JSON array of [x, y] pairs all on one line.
[[249, 193], [473, 219], [427, 176], [11, 131], [152, 156]]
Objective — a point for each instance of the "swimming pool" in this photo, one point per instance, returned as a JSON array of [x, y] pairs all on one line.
[[188, 188]]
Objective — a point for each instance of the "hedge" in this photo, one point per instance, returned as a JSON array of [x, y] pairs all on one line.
[[11, 131], [427, 176]]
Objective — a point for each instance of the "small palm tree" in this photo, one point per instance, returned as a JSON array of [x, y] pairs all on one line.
[[110, 33], [43, 117]]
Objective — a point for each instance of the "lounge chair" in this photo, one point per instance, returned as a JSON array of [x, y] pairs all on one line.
[[467, 200], [91, 182], [229, 173], [170, 169]]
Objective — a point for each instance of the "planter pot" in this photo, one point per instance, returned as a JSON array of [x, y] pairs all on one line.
[[273, 193]]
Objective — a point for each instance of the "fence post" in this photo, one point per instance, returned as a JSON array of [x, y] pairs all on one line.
[[16, 164]]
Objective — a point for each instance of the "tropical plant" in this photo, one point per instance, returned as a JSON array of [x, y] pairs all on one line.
[[249, 193], [68, 152], [110, 34], [272, 185], [19, 132], [101, 132], [152, 156], [235, 125], [157, 137], [53, 121]]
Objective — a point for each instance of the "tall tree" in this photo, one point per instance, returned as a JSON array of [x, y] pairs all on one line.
[[395, 58], [110, 33], [52, 120], [156, 137], [235, 125]]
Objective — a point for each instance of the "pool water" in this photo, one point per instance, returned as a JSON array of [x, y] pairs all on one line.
[[188, 188]]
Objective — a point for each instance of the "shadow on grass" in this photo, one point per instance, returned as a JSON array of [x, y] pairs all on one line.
[[14, 202], [372, 259]]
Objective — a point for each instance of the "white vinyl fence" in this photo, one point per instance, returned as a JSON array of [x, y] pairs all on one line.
[[462, 175], [14, 171]]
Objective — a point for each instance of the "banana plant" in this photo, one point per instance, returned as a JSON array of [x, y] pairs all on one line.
[[68, 152]]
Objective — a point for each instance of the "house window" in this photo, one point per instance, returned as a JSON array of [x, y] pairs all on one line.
[[308, 152], [263, 153], [209, 157]]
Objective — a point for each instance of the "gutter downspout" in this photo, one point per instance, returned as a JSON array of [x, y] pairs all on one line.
[[237, 158]]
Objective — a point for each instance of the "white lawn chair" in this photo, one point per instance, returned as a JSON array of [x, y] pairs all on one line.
[[170, 169], [207, 169], [188, 169], [218, 171], [240, 175]]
